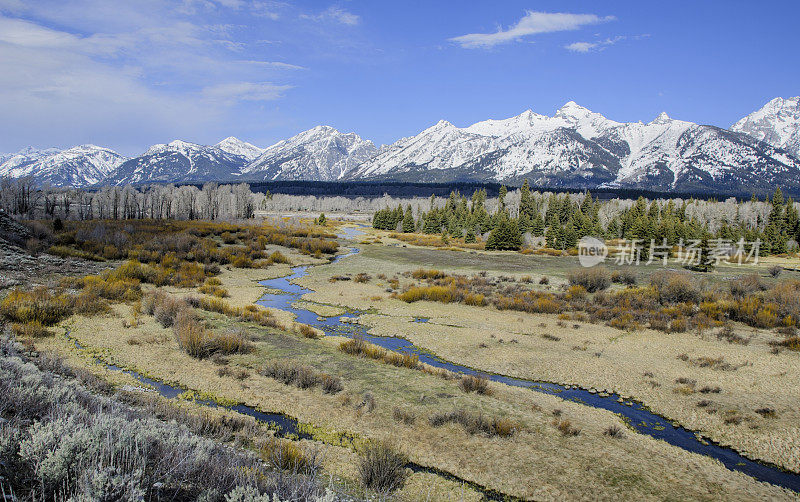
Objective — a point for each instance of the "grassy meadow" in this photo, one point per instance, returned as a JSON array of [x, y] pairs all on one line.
[[176, 303]]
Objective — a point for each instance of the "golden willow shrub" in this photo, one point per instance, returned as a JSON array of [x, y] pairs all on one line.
[[36, 306], [357, 346], [201, 342], [170, 243], [249, 313]]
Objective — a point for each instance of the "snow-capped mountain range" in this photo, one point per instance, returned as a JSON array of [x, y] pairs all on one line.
[[321, 154], [776, 123], [574, 148], [580, 148], [78, 166]]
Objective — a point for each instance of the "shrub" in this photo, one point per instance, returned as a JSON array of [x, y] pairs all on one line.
[[775, 270], [307, 331], [292, 373], [90, 446], [613, 431], [566, 428], [475, 383], [302, 376], [277, 257], [475, 299], [576, 292], [624, 276], [791, 343], [357, 346], [331, 384], [475, 423], [422, 273], [192, 337], [232, 341], [766, 412], [674, 287], [38, 305], [746, 285], [213, 290], [442, 294], [785, 299], [592, 279], [258, 315], [380, 468], [285, 455], [200, 342], [362, 277], [33, 329]]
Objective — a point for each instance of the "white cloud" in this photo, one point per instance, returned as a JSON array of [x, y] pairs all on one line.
[[245, 91], [531, 24], [126, 82], [335, 14], [584, 47], [581, 46]]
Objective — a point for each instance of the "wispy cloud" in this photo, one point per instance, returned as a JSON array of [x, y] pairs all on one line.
[[532, 23], [245, 91], [599, 45], [118, 77], [334, 14]]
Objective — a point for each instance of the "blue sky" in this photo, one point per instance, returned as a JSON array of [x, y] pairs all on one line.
[[129, 74]]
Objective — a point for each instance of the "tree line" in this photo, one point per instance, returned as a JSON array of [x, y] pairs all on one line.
[[560, 221]]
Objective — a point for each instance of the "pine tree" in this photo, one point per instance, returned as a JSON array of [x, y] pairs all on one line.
[[408, 221], [526, 208], [505, 235], [537, 225], [704, 262], [553, 235]]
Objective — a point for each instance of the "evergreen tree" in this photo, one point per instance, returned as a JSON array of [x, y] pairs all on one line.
[[527, 209], [505, 235], [704, 262], [408, 221], [537, 225]]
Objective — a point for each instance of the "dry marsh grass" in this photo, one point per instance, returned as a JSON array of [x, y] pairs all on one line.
[[359, 347], [475, 423], [301, 376], [475, 383], [381, 468], [526, 454]]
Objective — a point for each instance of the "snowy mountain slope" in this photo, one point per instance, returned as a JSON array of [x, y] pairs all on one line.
[[78, 166], [178, 161], [235, 146], [575, 147], [776, 123], [580, 148], [321, 153]]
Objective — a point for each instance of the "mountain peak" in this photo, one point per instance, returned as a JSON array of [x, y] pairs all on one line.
[[321, 153], [662, 118], [179, 143], [235, 146], [231, 140], [571, 107], [776, 123]]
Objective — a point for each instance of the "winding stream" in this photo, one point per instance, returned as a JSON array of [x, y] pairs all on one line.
[[635, 414]]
